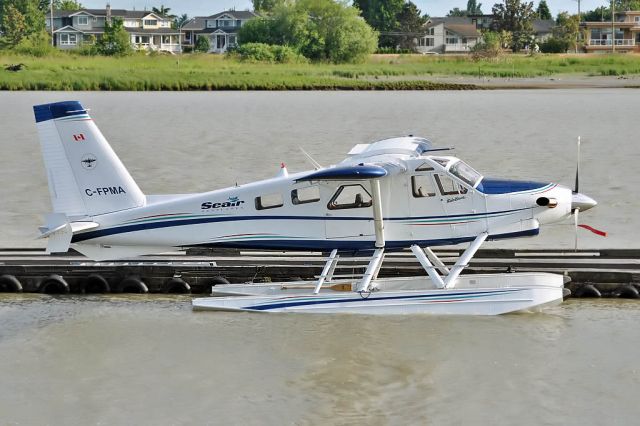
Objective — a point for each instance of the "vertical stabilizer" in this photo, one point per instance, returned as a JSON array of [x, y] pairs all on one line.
[[86, 178]]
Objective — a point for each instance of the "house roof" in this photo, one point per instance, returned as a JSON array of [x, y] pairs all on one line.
[[152, 31], [227, 30], [120, 13], [236, 14], [197, 23], [460, 25], [543, 26]]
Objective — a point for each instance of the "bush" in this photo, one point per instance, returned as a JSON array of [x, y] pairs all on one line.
[[261, 52], [383, 50], [202, 44], [555, 45], [489, 48], [321, 30], [38, 44]]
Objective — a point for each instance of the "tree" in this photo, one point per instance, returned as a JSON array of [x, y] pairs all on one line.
[[410, 23], [115, 40], [320, 30], [202, 44], [457, 12], [382, 15], [474, 8], [163, 11], [517, 18], [20, 19], [543, 10], [69, 5], [14, 27], [266, 6], [180, 21], [567, 29]]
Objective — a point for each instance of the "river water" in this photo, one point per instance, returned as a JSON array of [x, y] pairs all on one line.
[[188, 142], [151, 360]]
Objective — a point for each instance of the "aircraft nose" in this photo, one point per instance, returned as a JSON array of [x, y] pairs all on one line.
[[582, 202]]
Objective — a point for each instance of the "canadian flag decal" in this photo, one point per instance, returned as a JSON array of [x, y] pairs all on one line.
[[78, 137]]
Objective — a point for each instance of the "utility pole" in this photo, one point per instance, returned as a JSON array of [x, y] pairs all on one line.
[[613, 28], [51, 15]]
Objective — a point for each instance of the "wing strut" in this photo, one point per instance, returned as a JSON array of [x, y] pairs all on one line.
[[378, 255]]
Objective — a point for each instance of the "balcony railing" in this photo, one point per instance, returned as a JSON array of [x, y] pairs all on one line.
[[619, 42], [458, 47]]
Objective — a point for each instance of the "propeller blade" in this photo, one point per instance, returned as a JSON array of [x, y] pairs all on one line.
[[575, 227], [594, 230], [577, 186]]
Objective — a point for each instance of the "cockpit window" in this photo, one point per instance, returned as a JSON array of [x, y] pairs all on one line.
[[448, 186], [350, 197], [465, 172], [442, 161], [424, 167]]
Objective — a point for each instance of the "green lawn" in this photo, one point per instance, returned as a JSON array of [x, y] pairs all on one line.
[[212, 72]]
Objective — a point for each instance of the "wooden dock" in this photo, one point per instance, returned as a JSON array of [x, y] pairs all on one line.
[[593, 273]]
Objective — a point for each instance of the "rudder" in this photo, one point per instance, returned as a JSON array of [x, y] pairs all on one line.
[[86, 177]]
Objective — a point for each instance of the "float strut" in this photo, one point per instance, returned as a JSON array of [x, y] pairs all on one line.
[[327, 271], [372, 270], [426, 264], [463, 261], [436, 260]]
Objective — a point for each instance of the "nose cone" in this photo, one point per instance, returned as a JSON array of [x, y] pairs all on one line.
[[582, 202]]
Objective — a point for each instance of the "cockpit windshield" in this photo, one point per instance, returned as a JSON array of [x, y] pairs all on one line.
[[465, 172]]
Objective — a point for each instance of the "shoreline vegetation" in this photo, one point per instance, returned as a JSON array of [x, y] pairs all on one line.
[[139, 72]]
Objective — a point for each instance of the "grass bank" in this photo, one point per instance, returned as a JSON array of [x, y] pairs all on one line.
[[211, 72]]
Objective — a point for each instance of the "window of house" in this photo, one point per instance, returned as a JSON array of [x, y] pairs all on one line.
[[83, 20], [431, 31], [270, 201], [422, 186], [350, 197], [68, 39], [232, 40], [310, 194], [452, 40], [151, 22], [448, 186], [187, 36]]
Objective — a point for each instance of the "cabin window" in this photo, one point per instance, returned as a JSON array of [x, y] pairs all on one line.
[[270, 201], [442, 161], [310, 194], [422, 186], [448, 186], [424, 167], [350, 197], [465, 173]]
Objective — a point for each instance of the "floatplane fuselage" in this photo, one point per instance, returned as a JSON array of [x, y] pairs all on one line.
[[391, 194]]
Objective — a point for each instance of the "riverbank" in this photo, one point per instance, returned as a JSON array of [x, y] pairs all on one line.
[[380, 72]]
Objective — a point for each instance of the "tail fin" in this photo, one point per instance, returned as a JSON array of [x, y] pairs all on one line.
[[86, 178]]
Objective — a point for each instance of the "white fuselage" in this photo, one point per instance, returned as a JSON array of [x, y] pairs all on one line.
[[428, 206]]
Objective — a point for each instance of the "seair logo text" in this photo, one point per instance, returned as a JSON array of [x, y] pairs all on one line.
[[109, 190], [231, 202]]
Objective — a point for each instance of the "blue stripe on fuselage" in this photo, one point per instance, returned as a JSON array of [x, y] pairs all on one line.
[[171, 223], [505, 186]]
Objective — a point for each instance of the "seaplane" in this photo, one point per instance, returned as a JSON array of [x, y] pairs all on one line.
[[394, 194]]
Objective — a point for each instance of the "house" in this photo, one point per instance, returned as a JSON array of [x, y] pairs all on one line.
[[72, 28], [448, 35], [221, 29], [626, 27]]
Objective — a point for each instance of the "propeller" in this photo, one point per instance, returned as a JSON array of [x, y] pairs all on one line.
[[581, 201]]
